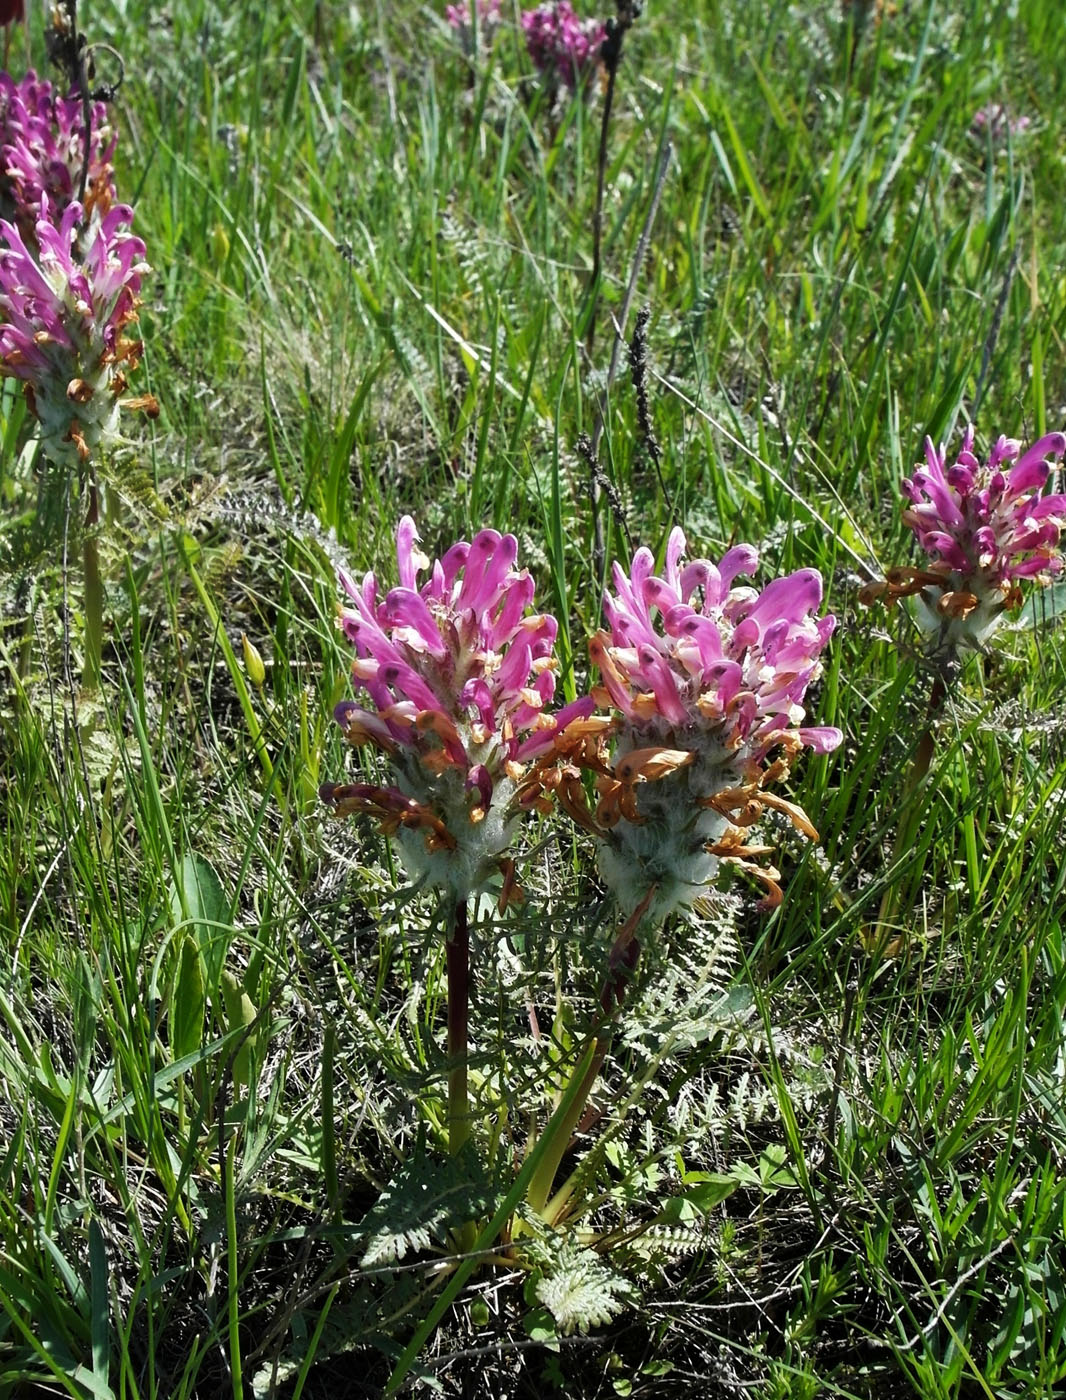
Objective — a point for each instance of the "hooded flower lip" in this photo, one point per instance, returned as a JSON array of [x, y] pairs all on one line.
[[706, 678], [459, 673], [560, 45], [65, 308], [986, 528]]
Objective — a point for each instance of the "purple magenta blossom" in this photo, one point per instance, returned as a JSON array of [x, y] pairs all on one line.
[[708, 679], [488, 18], [561, 46], [994, 122], [986, 528], [42, 152], [65, 305], [459, 674]]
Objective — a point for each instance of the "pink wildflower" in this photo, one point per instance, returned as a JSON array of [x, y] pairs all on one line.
[[994, 123], [459, 673], [65, 307], [459, 17], [986, 528], [561, 46], [42, 150], [707, 680]]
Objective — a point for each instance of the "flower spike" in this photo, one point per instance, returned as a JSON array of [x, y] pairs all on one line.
[[987, 528], [459, 674], [67, 302], [561, 46], [707, 679], [43, 150]]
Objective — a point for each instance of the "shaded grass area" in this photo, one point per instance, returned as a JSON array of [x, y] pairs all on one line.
[[372, 296]]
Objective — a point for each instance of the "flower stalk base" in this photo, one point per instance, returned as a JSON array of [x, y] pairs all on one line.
[[458, 964]]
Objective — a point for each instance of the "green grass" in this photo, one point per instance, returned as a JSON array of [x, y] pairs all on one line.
[[222, 1070]]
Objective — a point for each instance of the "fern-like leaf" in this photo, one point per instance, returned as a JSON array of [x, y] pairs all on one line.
[[426, 1200], [580, 1291]]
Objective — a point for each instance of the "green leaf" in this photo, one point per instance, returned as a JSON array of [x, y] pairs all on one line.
[[188, 1005], [99, 1322], [197, 896], [240, 1013], [774, 1170], [700, 1197], [540, 1326], [427, 1199]]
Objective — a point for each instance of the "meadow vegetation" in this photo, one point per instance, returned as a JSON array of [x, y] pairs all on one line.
[[808, 1150]]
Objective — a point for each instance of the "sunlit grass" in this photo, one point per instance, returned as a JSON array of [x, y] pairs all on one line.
[[371, 296]]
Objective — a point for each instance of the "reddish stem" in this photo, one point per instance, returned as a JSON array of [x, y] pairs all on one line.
[[458, 960]]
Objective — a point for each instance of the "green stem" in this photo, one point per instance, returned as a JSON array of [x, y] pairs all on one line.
[[491, 1231], [562, 1129], [229, 1165], [621, 962], [458, 958], [94, 594], [912, 808]]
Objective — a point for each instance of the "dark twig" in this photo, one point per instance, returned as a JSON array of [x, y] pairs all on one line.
[[66, 49], [638, 373], [638, 262], [602, 483], [69, 51], [619, 340], [611, 57]]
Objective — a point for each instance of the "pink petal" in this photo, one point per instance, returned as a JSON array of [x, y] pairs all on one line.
[[1050, 445]]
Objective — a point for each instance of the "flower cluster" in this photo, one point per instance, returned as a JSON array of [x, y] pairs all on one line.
[[560, 45], [70, 270], [707, 680], [700, 712], [458, 672], [460, 18], [66, 303], [986, 528], [42, 153], [994, 123]]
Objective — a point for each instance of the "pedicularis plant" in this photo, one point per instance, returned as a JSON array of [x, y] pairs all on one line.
[[697, 717], [988, 529], [458, 672], [70, 281], [188, 1154]]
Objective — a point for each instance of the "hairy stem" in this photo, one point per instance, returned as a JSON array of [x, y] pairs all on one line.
[[458, 958]]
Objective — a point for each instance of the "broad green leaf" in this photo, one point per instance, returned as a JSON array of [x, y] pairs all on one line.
[[189, 1002], [197, 896]]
